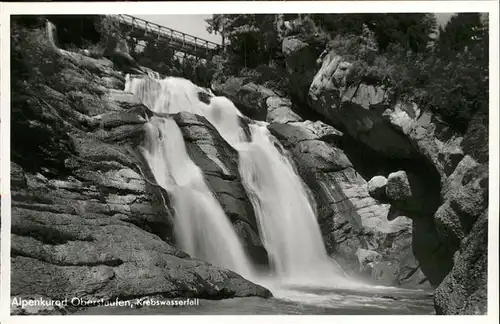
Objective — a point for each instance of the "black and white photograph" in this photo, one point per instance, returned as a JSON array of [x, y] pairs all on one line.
[[250, 163]]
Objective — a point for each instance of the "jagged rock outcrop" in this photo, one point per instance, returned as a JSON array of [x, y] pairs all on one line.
[[355, 108], [279, 110], [219, 163], [249, 97], [256, 101], [376, 187], [349, 218], [88, 219], [398, 186], [301, 66], [464, 290]]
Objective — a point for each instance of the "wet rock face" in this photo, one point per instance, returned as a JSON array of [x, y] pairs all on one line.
[[349, 218], [409, 197], [95, 224], [249, 98], [464, 290], [357, 108], [301, 66], [219, 163], [256, 101]]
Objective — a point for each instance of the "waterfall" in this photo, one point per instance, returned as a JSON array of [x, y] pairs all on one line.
[[286, 220], [287, 223], [201, 227]]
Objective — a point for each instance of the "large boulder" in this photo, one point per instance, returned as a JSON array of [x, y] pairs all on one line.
[[256, 101], [355, 108], [248, 97], [398, 186], [377, 187]]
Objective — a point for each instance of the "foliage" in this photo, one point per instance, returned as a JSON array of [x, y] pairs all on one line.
[[412, 31], [459, 32], [110, 32], [160, 57], [458, 76], [156, 55], [250, 39]]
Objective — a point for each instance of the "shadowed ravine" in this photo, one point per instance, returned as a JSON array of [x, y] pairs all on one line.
[[301, 275]]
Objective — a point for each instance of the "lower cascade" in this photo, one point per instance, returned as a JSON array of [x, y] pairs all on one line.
[[286, 220], [202, 228]]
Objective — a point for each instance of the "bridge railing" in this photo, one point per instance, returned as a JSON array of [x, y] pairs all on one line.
[[158, 30]]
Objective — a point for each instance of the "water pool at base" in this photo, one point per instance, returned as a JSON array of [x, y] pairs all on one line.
[[299, 301]]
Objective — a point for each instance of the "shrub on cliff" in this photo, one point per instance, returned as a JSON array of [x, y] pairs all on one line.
[[475, 141], [156, 55]]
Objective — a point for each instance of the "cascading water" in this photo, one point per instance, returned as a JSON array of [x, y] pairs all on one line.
[[286, 220], [287, 223], [201, 226]]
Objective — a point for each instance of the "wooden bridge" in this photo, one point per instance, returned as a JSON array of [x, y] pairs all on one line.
[[182, 43]]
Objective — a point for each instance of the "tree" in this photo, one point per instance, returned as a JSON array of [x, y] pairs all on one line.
[[156, 55], [462, 31], [410, 30], [250, 39]]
